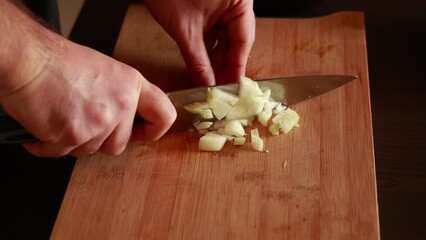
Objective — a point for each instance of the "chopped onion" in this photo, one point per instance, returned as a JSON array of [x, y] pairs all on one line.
[[200, 108], [202, 125], [211, 142], [220, 102], [256, 141], [239, 141], [286, 120], [264, 116], [234, 128], [279, 108], [224, 116]]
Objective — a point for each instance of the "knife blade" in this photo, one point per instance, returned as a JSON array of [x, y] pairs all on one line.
[[288, 90]]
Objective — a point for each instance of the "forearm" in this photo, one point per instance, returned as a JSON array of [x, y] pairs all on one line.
[[24, 48]]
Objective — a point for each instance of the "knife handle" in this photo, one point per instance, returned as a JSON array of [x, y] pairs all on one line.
[[12, 132]]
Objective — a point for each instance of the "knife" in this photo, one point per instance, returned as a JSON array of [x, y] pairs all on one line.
[[288, 90]]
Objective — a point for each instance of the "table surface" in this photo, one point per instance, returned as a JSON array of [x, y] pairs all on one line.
[[31, 189]]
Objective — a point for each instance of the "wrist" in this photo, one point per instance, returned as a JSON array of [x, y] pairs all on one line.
[[26, 51]]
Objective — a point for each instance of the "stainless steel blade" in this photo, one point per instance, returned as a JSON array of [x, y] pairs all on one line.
[[288, 90]]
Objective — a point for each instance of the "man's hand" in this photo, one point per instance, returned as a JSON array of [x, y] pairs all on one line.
[[214, 36], [85, 102], [74, 100]]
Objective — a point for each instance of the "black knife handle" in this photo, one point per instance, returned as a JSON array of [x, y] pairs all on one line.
[[12, 132]]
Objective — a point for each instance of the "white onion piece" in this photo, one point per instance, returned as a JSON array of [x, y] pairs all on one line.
[[286, 120], [202, 125], [211, 142], [256, 141], [220, 102], [239, 141], [200, 108], [234, 128]]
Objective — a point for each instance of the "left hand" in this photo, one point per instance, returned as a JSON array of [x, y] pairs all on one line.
[[214, 36]]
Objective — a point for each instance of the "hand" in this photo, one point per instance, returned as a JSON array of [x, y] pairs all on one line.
[[214, 36], [82, 101]]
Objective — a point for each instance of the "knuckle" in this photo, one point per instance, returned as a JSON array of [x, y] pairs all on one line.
[[126, 97], [74, 135], [135, 77], [198, 67], [125, 102], [102, 117], [134, 74]]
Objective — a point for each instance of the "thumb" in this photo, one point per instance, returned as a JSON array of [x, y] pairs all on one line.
[[156, 111], [194, 52]]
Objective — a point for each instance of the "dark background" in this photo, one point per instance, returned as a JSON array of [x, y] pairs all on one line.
[[31, 189]]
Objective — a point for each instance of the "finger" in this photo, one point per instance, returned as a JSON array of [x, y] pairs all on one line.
[[117, 141], [43, 149], [240, 33], [88, 148], [195, 54], [157, 111]]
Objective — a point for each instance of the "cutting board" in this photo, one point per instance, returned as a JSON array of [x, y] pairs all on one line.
[[316, 182]]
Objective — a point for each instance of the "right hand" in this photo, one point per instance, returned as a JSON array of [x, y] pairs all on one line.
[[82, 101]]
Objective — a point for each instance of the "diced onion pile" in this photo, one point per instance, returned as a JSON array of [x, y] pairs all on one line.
[[224, 115]]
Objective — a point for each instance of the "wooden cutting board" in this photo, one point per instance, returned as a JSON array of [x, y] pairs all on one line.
[[316, 182]]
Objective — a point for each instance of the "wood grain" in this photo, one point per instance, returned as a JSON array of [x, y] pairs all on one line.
[[317, 182]]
